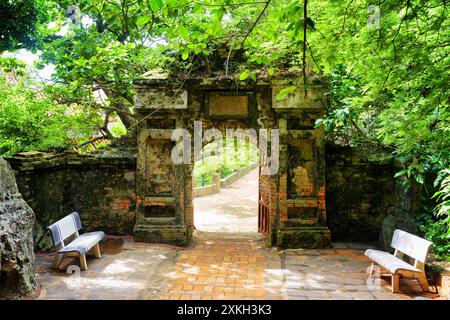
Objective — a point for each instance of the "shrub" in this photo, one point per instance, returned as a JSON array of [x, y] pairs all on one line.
[[435, 230]]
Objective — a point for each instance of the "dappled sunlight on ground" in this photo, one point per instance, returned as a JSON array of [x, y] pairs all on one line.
[[126, 270], [227, 260], [219, 266]]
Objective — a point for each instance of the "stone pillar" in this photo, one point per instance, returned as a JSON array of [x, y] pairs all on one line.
[[216, 181], [163, 190], [301, 195]]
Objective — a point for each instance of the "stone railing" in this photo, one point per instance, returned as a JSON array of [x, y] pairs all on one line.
[[222, 183], [225, 182], [35, 160], [211, 189]]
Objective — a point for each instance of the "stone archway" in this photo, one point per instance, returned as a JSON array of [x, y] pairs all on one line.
[[291, 201]]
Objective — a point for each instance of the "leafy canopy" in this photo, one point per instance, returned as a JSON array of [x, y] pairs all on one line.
[[22, 23]]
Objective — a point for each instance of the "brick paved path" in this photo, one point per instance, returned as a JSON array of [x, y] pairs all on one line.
[[226, 268], [218, 266], [232, 210]]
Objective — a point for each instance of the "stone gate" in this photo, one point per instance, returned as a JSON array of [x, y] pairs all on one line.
[[291, 211]]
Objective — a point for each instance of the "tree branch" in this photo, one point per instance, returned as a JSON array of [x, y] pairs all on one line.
[[256, 22], [92, 141]]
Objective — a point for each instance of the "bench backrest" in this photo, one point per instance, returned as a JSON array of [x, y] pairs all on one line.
[[411, 245], [64, 228]]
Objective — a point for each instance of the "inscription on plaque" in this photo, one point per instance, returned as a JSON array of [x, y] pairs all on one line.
[[228, 105]]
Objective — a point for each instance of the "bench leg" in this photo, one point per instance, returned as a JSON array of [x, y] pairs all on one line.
[[395, 283], [423, 282], [83, 262], [96, 250], [371, 270], [57, 260]]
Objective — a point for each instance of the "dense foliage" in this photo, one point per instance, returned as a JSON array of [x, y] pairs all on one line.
[[31, 120], [21, 23]]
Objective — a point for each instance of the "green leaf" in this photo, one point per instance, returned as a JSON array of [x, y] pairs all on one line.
[[400, 173], [271, 72], [285, 91], [198, 8], [156, 4], [244, 75], [142, 20], [420, 179], [185, 55], [183, 32]]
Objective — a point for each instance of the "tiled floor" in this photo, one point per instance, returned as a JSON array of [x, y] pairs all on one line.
[[126, 270], [218, 266]]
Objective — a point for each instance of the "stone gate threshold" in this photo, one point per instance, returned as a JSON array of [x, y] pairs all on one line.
[[218, 266]]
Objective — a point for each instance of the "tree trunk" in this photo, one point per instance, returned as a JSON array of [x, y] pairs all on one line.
[[127, 119], [120, 107]]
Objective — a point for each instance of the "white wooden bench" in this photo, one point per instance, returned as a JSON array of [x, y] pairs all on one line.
[[68, 227], [407, 244]]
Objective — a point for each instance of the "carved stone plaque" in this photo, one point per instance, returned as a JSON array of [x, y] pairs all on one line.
[[155, 99], [222, 105]]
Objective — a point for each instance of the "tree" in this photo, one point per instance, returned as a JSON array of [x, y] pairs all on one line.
[[21, 23], [392, 83], [101, 58], [127, 38], [401, 68], [30, 120]]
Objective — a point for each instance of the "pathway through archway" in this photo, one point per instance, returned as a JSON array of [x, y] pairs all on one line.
[[233, 210]]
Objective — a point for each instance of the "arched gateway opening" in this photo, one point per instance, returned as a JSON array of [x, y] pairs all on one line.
[[226, 187], [177, 117]]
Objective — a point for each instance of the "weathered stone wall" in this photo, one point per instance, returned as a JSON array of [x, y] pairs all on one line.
[[359, 194], [100, 189]]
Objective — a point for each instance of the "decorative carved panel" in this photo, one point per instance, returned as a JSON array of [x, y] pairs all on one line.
[[158, 99], [159, 173], [301, 175]]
